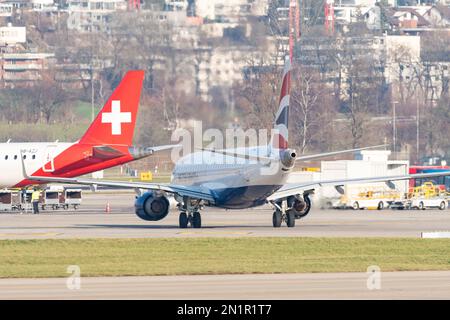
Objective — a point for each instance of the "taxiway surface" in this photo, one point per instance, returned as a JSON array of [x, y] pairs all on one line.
[[91, 221], [392, 285]]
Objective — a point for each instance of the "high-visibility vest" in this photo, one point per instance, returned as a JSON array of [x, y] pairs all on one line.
[[35, 196]]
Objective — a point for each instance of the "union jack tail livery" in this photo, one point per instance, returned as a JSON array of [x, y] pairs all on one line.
[[115, 123], [280, 131]]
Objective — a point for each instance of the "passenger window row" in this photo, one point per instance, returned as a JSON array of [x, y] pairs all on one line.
[[24, 157]]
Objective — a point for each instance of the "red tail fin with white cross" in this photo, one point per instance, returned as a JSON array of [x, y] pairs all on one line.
[[115, 123]]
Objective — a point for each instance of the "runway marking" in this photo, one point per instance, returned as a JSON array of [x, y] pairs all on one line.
[[47, 234], [436, 235]]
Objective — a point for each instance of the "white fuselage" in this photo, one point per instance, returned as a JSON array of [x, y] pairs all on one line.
[[235, 182], [36, 156]]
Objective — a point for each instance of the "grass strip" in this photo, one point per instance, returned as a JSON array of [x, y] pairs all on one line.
[[181, 256]]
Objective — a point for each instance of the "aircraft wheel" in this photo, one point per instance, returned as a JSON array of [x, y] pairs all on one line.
[[183, 220], [356, 205], [421, 205], [197, 220], [290, 219], [380, 206], [277, 219], [442, 205]]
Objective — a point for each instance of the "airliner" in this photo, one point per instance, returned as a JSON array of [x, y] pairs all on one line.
[[106, 143], [232, 178]]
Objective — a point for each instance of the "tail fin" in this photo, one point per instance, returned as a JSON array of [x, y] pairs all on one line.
[[280, 135], [115, 123]]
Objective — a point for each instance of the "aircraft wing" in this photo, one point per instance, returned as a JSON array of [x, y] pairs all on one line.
[[294, 189], [191, 191], [299, 158], [164, 147], [333, 153]]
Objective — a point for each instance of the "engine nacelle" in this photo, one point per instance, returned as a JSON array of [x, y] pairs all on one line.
[[150, 207], [288, 157], [301, 207]]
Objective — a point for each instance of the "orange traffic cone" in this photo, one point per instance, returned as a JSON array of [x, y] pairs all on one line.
[[108, 208]]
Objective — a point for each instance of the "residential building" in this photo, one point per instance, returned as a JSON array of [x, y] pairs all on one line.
[[22, 68], [222, 67], [44, 5], [19, 4], [438, 16], [406, 18], [11, 36], [92, 15], [6, 9], [230, 10], [19, 65]]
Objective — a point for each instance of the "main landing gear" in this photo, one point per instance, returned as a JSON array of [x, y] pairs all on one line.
[[190, 213], [290, 209], [278, 218], [195, 219]]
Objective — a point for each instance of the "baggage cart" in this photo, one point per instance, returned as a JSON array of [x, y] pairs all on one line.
[[53, 198], [72, 197]]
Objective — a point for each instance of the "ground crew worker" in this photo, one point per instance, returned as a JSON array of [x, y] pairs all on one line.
[[35, 200]]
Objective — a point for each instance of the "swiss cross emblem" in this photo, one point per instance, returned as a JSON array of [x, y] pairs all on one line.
[[116, 118]]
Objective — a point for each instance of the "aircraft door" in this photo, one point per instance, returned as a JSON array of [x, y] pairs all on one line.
[[50, 153]]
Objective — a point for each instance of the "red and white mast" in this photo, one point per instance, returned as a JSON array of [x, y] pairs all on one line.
[[329, 16], [134, 4]]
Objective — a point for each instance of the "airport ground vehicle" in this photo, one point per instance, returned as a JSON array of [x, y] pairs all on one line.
[[52, 198], [374, 199], [57, 198], [10, 200], [443, 182], [427, 196], [72, 197], [423, 197]]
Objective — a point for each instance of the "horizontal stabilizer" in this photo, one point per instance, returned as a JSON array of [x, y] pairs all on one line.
[[238, 155], [334, 153], [106, 153]]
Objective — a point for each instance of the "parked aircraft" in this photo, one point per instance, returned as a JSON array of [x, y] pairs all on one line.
[[106, 143]]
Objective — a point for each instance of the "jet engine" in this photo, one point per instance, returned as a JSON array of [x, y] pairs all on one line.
[[151, 207], [287, 157], [300, 206]]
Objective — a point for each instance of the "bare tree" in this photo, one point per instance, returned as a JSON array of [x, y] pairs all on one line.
[[307, 107], [141, 41], [257, 99]]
